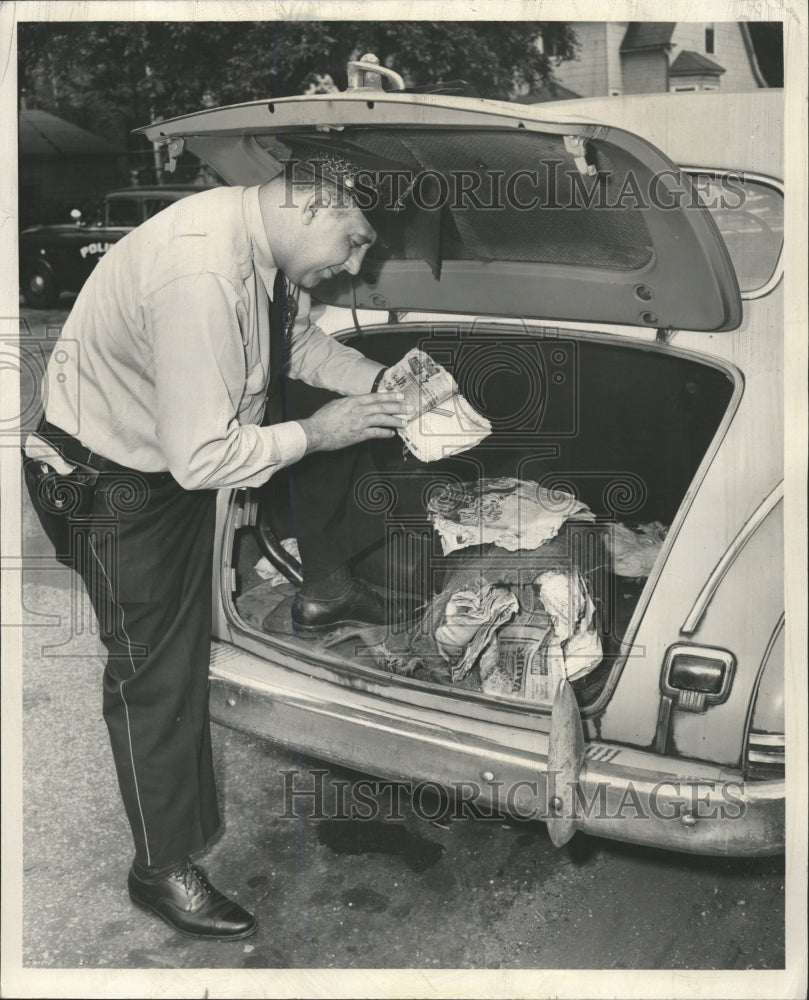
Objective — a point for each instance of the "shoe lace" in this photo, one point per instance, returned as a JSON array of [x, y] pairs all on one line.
[[194, 879]]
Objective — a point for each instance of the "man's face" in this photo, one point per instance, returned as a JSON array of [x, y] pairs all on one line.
[[334, 239]]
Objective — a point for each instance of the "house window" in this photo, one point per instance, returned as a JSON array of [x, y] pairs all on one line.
[[684, 88], [710, 40], [548, 47], [710, 86]]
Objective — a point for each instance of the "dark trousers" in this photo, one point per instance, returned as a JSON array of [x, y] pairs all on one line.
[[330, 501], [144, 548], [331, 513]]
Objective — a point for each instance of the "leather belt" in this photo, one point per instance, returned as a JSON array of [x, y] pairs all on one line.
[[72, 450]]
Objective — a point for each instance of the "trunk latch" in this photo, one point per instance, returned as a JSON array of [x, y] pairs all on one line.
[[366, 74]]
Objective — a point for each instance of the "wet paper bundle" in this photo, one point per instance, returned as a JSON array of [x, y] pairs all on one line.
[[525, 649], [635, 549], [471, 618], [508, 625], [527, 599], [511, 513], [443, 422], [517, 664], [516, 613]]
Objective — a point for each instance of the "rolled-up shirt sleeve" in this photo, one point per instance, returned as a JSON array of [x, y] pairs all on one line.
[[320, 360], [194, 324]]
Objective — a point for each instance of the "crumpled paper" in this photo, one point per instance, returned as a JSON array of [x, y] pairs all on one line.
[[516, 662], [443, 422], [634, 552], [267, 571], [511, 513], [574, 645], [471, 619]]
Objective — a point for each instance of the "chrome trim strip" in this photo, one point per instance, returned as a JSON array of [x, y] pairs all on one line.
[[766, 507], [774, 758], [768, 739], [765, 659]]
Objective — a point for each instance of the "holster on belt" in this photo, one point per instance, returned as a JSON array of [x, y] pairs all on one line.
[[67, 494]]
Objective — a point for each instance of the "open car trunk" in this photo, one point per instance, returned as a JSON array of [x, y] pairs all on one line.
[[622, 425]]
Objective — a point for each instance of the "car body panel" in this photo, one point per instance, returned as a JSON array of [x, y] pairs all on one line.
[[737, 480], [769, 709], [712, 139]]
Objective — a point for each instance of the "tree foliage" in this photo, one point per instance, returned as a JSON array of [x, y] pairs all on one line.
[[111, 77]]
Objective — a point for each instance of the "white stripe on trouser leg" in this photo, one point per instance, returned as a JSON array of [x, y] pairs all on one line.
[[123, 699]]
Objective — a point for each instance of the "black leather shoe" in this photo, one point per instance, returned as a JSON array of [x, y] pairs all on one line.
[[187, 901], [358, 605]]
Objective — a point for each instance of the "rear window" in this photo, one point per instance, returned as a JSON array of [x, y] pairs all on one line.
[[750, 216]]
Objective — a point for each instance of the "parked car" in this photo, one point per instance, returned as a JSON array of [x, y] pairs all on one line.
[[619, 320], [59, 258]]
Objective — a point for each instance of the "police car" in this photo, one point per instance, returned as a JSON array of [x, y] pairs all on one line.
[[59, 258]]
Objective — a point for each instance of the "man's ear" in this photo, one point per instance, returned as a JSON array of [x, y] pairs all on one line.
[[319, 200]]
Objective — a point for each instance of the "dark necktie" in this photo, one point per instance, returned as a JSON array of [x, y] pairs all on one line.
[[282, 315]]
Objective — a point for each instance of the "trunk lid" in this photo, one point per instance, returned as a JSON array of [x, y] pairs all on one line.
[[491, 208]]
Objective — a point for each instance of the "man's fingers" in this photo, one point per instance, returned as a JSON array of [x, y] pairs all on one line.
[[385, 420], [390, 403], [397, 408], [379, 432]]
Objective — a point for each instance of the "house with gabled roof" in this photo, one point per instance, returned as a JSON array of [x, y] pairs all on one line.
[[642, 57]]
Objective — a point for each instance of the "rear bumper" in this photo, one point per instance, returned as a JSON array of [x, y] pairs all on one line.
[[622, 794], [715, 816]]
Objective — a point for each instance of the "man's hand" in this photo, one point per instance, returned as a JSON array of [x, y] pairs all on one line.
[[346, 421]]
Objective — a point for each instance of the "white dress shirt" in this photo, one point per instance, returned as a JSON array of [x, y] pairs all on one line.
[[169, 349]]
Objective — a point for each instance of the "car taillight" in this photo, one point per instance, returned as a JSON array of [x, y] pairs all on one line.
[[697, 676], [766, 755]]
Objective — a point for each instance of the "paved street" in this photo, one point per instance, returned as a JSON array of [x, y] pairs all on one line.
[[399, 893]]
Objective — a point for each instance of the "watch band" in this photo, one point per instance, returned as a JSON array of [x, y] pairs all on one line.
[[378, 379]]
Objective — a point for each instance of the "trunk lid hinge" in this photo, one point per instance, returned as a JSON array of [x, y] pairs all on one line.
[[174, 150]]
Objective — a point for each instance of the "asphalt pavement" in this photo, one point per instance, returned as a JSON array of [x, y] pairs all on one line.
[[387, 893]]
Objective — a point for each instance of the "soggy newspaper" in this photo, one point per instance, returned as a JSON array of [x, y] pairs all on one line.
[[512, 513], [472, 617], [443, 423]]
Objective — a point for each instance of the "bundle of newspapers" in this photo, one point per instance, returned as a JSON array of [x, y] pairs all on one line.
[[516, 615], [498, 644], [443, 422], [511, 513]]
